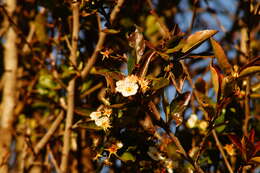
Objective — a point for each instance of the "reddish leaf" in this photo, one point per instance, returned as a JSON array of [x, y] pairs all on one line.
[[217, 78], [257, 146], [252, 136], [236, 141], [221, 56]]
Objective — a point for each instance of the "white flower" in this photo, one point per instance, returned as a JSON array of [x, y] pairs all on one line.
[[107, 112], [95, 115], [103, 122], [127, 87], [191, 123]]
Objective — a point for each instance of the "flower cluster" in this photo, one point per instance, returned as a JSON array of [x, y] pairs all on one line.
[[130, 85], [101, 118]]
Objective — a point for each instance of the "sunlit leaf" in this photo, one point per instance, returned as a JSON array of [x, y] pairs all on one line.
[[177, 48], [249, 71], [110, 31], [127, 156], [256, 160], [250, 68], [136, 41], [196, 39], [217, 78], [221, 56]]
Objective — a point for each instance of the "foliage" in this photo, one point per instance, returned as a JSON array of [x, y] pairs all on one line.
[[151, 102]]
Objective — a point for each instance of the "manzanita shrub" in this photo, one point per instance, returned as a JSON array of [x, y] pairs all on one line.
[[134, 98]]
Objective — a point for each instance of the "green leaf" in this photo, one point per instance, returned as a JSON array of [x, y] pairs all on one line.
[[89, 125], [160, 83], [221, 56], [127, 156], [130, 64], [196, 39], [220, 120]]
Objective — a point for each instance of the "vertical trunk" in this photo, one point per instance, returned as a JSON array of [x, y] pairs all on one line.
[[70, 91], [9, 90]]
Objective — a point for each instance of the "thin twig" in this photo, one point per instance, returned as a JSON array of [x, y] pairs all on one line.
[[101, 40], [49, 134], [91, 90], [70, 90], [175, 140], [220, 147], [207, 117], [53, 160]]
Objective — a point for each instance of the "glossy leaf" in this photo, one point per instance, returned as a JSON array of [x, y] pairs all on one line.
[[196, 39], [249, 71], [250, 68], [221, 56], [136, 41], [217, 78], [160, 83]]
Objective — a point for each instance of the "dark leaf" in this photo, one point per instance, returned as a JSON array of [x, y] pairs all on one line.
[[200, 85], [178, 106], [236, 141], [221, 56], [160, 83], [130, 64]]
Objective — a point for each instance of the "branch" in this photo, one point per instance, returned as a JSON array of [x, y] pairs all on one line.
[[101, 40], [206, 116], [49, 134], [9, 89], [70, 90], [175, 139]]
